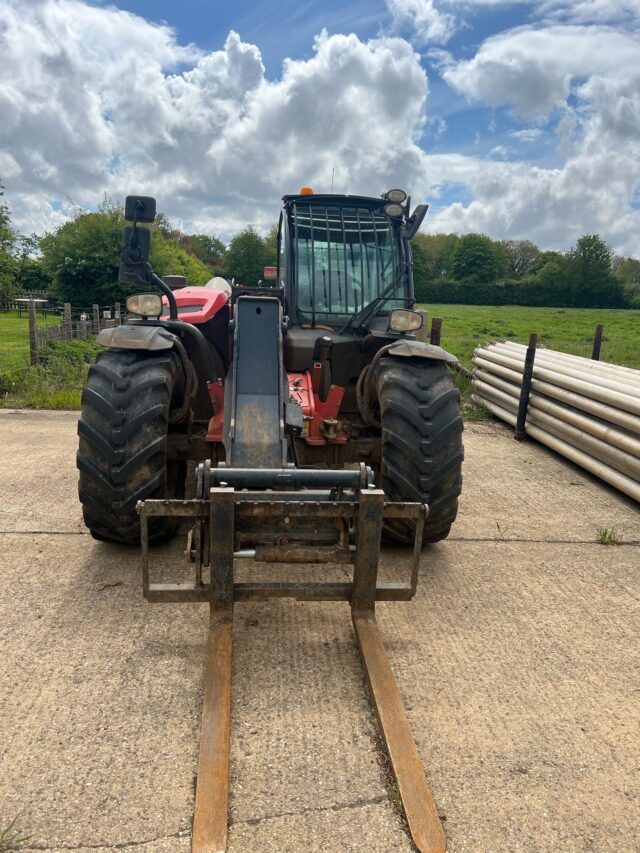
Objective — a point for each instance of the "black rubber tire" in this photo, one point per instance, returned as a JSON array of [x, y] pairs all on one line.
[[122, 452], [422, 449]]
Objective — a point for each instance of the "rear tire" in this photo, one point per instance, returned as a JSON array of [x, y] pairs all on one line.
[[122, 453], [422, 449]]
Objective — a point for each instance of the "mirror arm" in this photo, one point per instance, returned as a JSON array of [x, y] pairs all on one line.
[[173, 306]]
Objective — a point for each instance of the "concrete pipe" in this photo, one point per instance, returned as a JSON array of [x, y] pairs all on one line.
[[578, 401], [604, 472], [626, 402]]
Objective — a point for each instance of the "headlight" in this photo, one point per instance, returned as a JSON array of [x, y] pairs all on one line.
[[393, 209], [396, 195], [145, 304], [403, 320]]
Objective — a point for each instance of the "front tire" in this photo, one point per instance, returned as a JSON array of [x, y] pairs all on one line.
[[122, 452], [422, 451]]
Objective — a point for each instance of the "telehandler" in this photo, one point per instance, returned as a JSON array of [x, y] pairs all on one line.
[[300, 421]]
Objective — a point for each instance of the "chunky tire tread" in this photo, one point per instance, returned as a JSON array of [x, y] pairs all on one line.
[[123, 440], [421, 443]]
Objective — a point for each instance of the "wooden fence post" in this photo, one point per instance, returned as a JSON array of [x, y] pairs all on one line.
[[68, 328], [96, 319], [597, 342], [33, 333], [436, 329], [423, 332]]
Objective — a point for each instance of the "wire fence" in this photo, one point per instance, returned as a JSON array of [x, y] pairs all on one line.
[[28, 326]]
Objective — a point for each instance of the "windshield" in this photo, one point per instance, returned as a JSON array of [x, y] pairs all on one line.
[[345, 258]]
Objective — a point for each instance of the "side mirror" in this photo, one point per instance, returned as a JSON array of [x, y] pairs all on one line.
[[134, 256], [139, 208], [415, 221]]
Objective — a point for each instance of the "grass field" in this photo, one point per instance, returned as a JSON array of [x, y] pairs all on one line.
[[465, 327], [52, 385], [14, 335]]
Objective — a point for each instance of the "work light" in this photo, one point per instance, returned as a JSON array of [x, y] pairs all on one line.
[[396, 195], [403, 320], [393, 209], [145, 304]]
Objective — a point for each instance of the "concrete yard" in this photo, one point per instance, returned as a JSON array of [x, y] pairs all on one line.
[[518, 662]]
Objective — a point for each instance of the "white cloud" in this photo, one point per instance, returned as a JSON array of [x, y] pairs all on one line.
[[591, 11], [527, 134], [534, 69], [590, 76], [500, 152], [95, 100], [428, 23]]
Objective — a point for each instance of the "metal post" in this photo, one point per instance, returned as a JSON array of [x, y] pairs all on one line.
[[33, 334], [436, 328], [423, 331], [525, 388], [96, 319], [117, 313], [68, 328], [597, 342]]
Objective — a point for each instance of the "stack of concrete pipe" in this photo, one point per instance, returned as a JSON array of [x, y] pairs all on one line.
[[589, 411]]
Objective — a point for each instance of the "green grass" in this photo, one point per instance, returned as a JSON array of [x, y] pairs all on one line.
[[11, 838], [55, 383], [14, 334], [608, 536], [464, 327]]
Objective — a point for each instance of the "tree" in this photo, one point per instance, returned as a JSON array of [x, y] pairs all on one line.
[[205, 247], [7, 262], [522, 256], [478, 260], [421, 271], [30, 274], [545, 258], [246, 257], [437, 251], [82, 257], [590, 274], [271, 244], [627, 271]]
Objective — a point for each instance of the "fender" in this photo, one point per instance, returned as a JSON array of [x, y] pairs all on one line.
[[137, 337], [403, 349], [416, 349]]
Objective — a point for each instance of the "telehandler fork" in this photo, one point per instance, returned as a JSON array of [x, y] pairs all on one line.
[[314, 423], [257, 500]]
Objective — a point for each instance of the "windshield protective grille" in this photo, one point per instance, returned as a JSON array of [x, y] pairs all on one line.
[[345, 258]]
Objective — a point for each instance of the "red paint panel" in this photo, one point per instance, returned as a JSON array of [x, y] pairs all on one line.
[[196, 304]]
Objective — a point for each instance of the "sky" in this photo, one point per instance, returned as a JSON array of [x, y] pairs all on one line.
[[515, 119]]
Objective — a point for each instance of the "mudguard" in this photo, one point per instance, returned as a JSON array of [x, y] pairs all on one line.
[[418, 349], [137, 337]]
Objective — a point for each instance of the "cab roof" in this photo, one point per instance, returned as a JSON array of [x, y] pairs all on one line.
[[329, 198]]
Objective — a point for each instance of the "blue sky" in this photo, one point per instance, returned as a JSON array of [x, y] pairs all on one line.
[[520, 120], [287, 29]]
